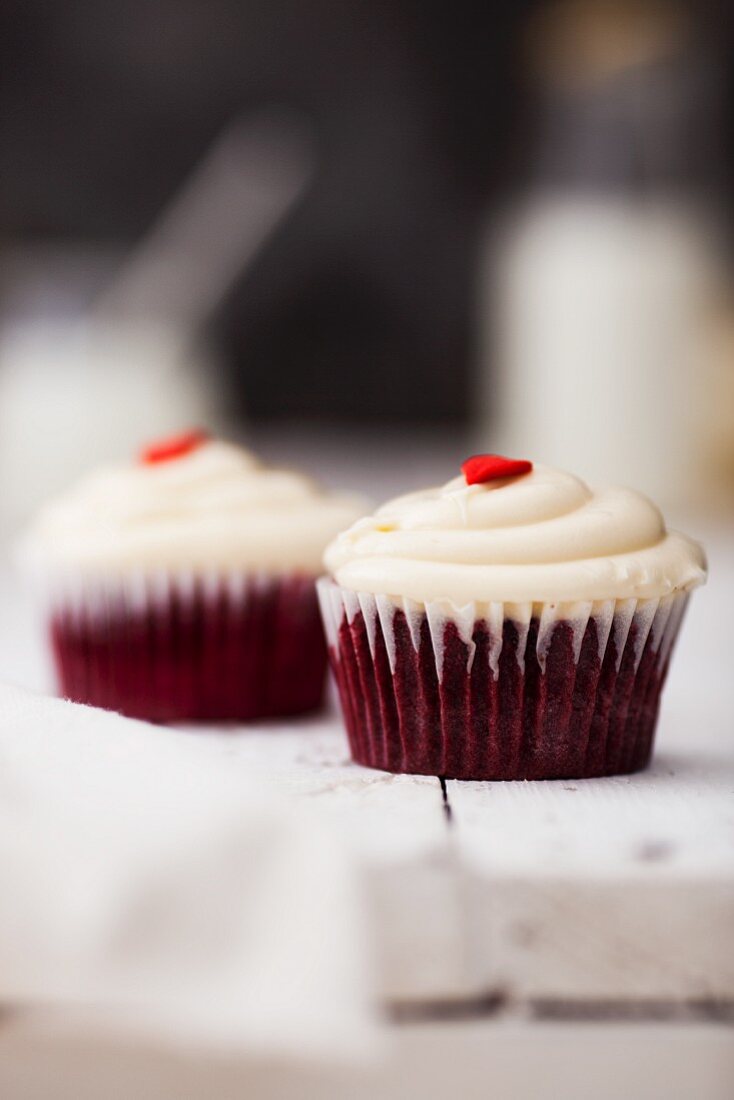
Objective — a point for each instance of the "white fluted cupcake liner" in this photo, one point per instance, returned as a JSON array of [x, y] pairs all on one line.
[[500, 690], [185, 646]]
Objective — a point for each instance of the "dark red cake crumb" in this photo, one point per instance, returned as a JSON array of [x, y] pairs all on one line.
[[197, 656]]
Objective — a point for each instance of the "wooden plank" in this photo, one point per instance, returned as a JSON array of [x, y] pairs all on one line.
[[507, 1060], [396, 828], [613, 888], [621, 887], [597, 890]]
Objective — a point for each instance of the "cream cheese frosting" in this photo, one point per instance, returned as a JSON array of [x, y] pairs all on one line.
[[215, 508], [543, 536]]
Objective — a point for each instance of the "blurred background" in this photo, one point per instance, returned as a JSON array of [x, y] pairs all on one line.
[[369, 237], [370, 233]]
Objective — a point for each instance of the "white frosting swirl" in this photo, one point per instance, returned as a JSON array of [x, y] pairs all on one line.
[[545, 536], [214, 508]]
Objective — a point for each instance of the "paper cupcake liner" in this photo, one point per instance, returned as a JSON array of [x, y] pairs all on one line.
[[500, 691], [179, 647]]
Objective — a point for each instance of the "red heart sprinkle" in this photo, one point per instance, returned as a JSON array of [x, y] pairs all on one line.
[[481, 468], [176, 446]]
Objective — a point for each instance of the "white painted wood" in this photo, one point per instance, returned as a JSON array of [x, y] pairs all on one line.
[[620, 887], [611, 889], [616, 888], [504, 1060], [395, 825]]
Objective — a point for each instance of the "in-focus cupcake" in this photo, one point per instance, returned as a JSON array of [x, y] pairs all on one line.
[[181, 587], [514, 624]]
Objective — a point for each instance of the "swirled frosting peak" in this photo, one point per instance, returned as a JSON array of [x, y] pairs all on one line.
[[209, 507], [544, 536]]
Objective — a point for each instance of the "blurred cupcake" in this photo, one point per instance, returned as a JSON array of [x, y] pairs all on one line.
[[514, 624], [181, 586]]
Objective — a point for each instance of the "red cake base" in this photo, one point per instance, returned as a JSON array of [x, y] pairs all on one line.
[[197, 655], [572, 719]]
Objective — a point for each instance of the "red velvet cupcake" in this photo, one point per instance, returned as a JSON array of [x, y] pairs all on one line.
[[512, 625], [182, 587]]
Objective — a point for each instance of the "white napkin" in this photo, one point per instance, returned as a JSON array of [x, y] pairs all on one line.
[[142, 883]]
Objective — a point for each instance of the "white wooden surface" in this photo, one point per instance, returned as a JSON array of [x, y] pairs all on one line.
[[603, 890], [600, 899], [503, 1060], [614, 889]]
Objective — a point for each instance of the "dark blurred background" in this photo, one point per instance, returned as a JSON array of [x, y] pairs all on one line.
[[415, 107], [424, 114], [365, 304]]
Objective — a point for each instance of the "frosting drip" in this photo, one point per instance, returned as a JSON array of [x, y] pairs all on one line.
[[544, 536], [214, 508]]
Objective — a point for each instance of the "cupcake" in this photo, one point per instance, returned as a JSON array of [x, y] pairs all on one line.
[[514, 624], [181, 586]]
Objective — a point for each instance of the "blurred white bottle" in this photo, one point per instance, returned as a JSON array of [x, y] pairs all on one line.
[[597, 312], [597, 288], [80, 385], [75, 393]]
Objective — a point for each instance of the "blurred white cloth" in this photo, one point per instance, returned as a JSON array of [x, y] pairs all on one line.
[[142, 884]]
